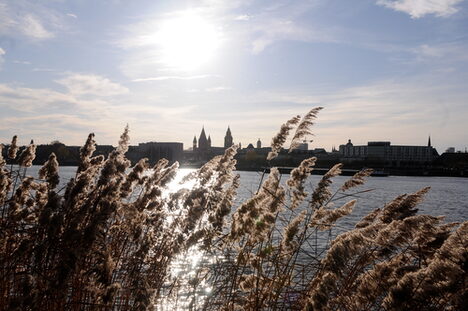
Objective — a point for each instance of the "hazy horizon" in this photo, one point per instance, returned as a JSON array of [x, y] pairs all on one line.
[[391, 70]]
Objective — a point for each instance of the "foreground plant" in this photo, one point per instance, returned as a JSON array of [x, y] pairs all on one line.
[[111, 237]]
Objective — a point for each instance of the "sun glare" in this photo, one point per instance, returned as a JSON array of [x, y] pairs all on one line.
[[187, 41]]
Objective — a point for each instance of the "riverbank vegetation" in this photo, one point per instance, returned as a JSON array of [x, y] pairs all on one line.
[[114, 236]]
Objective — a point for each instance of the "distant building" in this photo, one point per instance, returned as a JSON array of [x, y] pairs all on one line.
[[319, 151], [303, 146], [450, 150], [203, 143], [259, 144], [228, 141], [155, 151], [384, 151], [202, 149]]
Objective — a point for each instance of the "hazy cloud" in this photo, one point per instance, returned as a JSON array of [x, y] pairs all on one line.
[[441, 53], [31, 19], [90, 84], [281, 22], [22, 62], [32, 99], [244, 17], [218, 89], [163, 78], [420, 8], [31, 26], [2, 53]]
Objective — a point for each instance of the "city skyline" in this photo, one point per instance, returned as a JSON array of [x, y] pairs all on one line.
[[254, 142], [382, 69]]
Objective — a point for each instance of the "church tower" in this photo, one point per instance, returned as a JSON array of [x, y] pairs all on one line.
[[259, 144], [202, 141], [429, 141], [209, 141], [228, 138], [194, 142]]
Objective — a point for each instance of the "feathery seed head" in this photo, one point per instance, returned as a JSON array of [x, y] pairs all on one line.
[[13, 149], [303, 129], [280, 138], [27, 156]]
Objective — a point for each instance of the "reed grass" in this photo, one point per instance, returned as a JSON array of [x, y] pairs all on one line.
[[112, 238]]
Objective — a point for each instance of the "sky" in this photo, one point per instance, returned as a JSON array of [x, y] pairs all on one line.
[[392, 70]]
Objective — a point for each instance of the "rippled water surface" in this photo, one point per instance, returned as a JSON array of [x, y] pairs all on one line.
[[448, 196]]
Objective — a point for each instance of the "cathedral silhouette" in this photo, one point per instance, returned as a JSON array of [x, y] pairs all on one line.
[[202, 148], [204, 144]]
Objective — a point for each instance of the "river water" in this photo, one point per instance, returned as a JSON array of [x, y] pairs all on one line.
[[448, 196]]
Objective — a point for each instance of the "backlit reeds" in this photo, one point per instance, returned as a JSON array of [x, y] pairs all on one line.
[[112, 237]]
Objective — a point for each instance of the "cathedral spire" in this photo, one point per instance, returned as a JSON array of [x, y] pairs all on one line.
[[202, 140], [228, 141], [429, 141]]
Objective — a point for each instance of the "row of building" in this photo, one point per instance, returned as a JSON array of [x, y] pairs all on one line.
[[374, 151], [391, 155], [374, 154]]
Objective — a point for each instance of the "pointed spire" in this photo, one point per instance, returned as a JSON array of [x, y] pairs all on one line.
[[194, 139], [228, 141], [202, 141], [429, 141], [202, 135]]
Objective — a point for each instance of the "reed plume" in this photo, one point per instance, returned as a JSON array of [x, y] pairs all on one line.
[[27, 156], [13, 148], [303, 129], [2, 160], [278, 141]]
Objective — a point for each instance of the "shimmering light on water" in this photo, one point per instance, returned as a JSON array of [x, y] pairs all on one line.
[[448, 196]]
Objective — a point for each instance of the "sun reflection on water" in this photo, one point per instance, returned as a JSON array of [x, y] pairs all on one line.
[[186, 289]]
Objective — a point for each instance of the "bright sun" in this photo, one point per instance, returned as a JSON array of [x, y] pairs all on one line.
[[187, 41]]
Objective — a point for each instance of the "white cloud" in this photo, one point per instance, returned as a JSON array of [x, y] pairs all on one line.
[[256, 28], [31, 99], [22, 62], [218, 89], [244, 17], [420, 8], [38, 69], [89, 84], [163, 78], [72, 15], [281, 22], [2, 53], [441, 54], [45, 114], [30, 19], [31, 26]]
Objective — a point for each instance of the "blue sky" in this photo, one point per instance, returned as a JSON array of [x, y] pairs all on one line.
[[392, 70]]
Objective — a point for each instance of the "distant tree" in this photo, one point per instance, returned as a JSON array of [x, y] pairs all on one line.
[[56, 142]]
